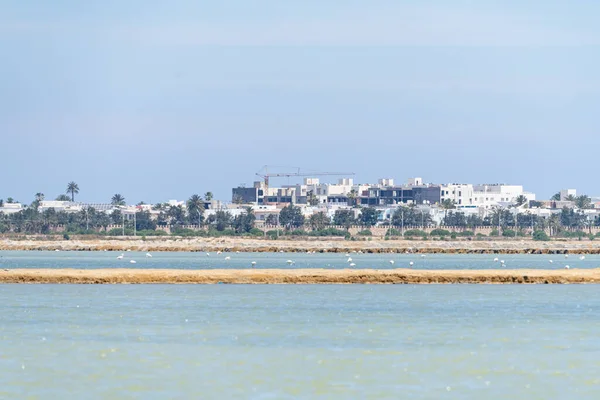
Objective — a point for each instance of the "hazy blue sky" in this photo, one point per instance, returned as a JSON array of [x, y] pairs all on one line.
[[161, 99]]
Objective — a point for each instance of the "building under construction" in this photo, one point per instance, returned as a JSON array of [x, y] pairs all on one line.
[[345, 191]]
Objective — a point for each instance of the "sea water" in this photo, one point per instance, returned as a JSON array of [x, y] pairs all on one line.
[[212, 260], [300, 341]]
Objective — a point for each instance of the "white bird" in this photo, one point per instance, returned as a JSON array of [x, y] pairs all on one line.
[[253, 263], [411, 263], [360, 252], [349, 259], [227, 258], [148, 255], [218, 252], [501, 261], [290, 262], [57, 250], [496, 259], [120, 257], [550, 261], [392, 262], [132, 261], [566, 256], [347, 255], [352, 265], [582, 258], [422, 255], [237, 252], [567, 267], [128, 249]]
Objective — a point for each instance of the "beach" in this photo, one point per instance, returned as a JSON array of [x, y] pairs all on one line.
[[298, 276]]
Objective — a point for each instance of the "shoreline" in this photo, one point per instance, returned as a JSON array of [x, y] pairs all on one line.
[[297, 276], [325, 245]]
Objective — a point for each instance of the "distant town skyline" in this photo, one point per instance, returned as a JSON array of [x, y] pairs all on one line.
[[157, 100]]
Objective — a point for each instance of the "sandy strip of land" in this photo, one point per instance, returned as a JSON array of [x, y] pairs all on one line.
[[323, 245], [297, 276]]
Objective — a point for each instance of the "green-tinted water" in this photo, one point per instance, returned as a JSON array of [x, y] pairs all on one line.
[[273, 342]]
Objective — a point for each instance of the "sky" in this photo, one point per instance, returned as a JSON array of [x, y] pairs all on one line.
[[159, 100]]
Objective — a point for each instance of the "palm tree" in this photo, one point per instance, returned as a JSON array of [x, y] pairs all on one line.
[[446, 205], [117, 200], [10, 200], [195, 208], [72, 188], [555, 197], [311, 198], [208, 196], [1, 203], [570, 198], [583, 202], [39, 197], [63, 197], [520, 200], [238, 199], [352, 196]]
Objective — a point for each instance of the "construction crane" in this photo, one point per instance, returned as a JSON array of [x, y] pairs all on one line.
[[266, 175]]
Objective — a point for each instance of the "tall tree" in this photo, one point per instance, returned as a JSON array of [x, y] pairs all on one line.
[[244, 222], [10, 200], [344, 218], [39, 197], [1, 202], [520, 200], [352, 195], [311, 198], [117, 200], [555, 197], [446, 205], [583, 202], [221, 220], [368, 216], [318, 221], [570, 198], [291, 217], [195, 209], [208, 196], [72, 188]]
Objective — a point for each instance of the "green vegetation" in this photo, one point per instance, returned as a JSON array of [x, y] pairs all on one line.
[[540, 236], [440, 232]]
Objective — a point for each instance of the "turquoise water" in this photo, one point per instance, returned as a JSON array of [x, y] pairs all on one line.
[[90, 260], [289, 342]]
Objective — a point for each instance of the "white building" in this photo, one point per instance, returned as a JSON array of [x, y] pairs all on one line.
[[483, 196], [11, 208]]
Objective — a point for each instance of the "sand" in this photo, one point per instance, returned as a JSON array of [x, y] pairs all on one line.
[[331, 245], [297, 276]]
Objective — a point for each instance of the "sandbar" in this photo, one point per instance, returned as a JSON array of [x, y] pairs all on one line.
[[299, 276]]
